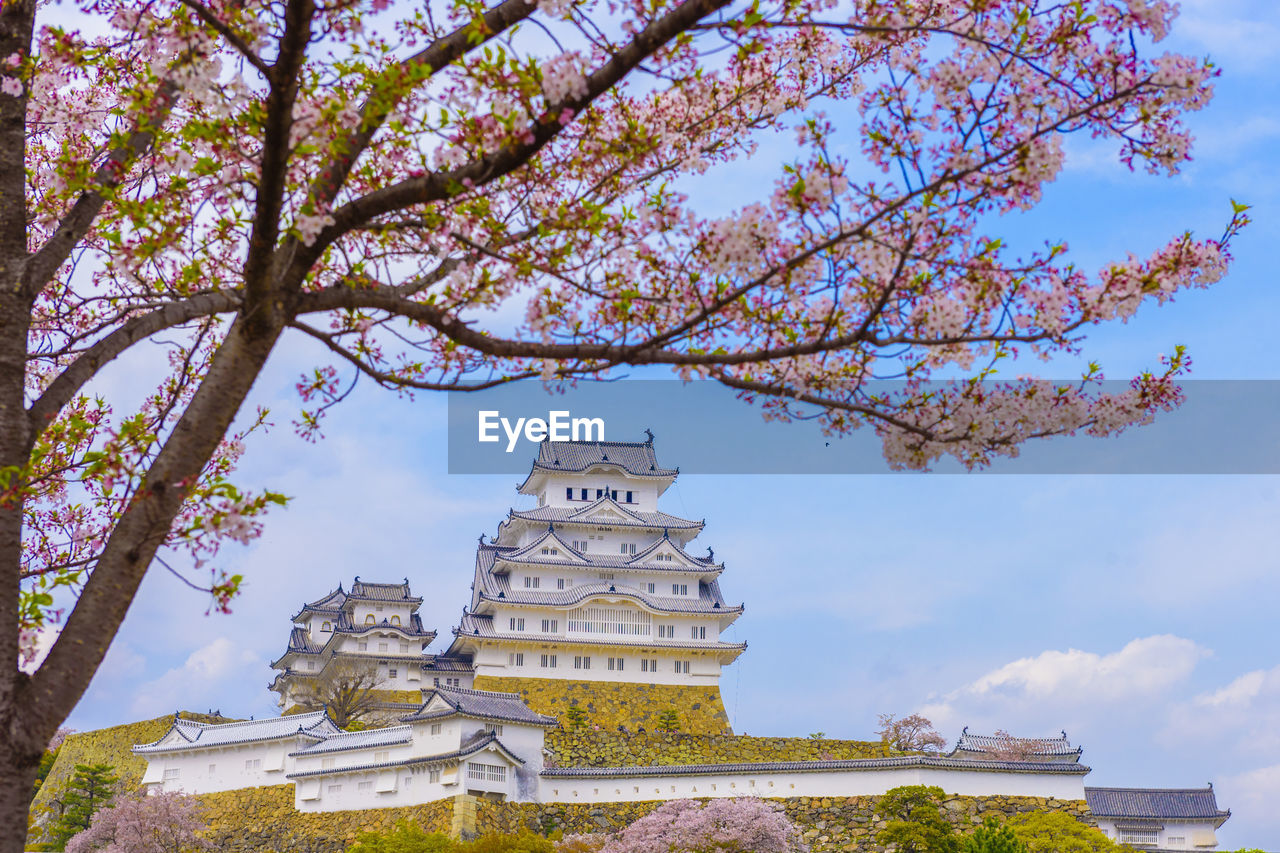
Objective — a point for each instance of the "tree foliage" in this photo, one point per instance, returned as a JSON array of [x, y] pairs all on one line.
[[915, 821], [912, 733], [92, 786], [167, 822], [1055, 832], [347, 689], [443, 196], [993, 837], [1006, 747], [405, 837]]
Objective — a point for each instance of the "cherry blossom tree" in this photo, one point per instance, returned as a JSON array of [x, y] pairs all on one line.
[[168, 822], [460, 194], [912, 733], [1006, 747], [716, 826]]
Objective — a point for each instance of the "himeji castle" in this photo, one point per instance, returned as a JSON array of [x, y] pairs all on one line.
[[594, 586], [596, 583]]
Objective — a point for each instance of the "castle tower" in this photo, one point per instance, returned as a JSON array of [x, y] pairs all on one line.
[[592, 599], [374, 626]]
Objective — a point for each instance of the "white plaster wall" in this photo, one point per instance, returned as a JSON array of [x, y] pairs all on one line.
[[493, 660], [409, 787], [807, 784], [228, 772], [644, 493], [1192, 831]]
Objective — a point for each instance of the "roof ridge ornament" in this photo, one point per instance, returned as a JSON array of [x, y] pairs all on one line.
[[648, 432]]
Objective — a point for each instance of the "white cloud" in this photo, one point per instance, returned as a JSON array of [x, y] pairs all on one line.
[[1240, 35], [1053, 681], [45, 639], [1243, 715], [199, 681], [1254, 792]]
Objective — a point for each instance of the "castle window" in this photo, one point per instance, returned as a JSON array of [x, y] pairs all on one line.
[[560, 583], [606, 576], [629, 499], [599, 493], [616, 664], [698, 632], [679, 589], [628, 547], [532, 583], [325, 626], [551, 626], [549, 661], [362, 646], [433, 775], [364, 786], [335, 789], [613, 495], [1138, 836], [326, 764], [382, 647], [393, 672], [682, 666], [666, 632], [650, 587], [404, 647], [435, 728], [581, 662], [171, 774], [515, 659], [495, 728], [454, 682], [648, 664], [1176, 841], [382, 755], [395, 620], [378, 608], [568, 494], [368, 619], [517, 624], [487, 772], [213, 768], [580, 545], [584, 494]]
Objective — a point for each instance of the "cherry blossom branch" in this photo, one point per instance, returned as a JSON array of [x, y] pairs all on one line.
[[69, 382], [233, 38]]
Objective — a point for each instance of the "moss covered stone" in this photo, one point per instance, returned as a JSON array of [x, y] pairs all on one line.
[[610, 704], [614, 749]]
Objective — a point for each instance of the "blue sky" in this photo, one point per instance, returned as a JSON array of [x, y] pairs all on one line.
[[1136, 612]]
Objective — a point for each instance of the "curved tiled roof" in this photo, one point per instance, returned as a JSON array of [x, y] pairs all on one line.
[[637, 458], [383, 592], [530, 555], [979, 745], [442, 663], [486, 704], [482, 626], [444, 758], [579, 515], [390, 736], [498, 589], [1154, 803], [909, 761], [196, 735], [331, 603]]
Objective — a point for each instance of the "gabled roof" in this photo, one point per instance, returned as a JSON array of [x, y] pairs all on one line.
[[193, 735], [581, 515], [634, 457], [445, 663], [484, 704], [550, 539], [1042, 748], [390, 736], [469, 748], [383, 592], [331, 603], [1155, 803]]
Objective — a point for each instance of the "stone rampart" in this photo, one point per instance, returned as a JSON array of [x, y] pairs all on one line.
[[609, 704], [826, 823], [263, 820], [588, 748]]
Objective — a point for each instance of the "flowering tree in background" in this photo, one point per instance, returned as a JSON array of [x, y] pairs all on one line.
[[460, 194], [162, 823], [1006, 747], [912, 733], [716, 826]]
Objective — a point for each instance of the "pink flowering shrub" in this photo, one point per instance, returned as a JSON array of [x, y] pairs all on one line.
[[162, 823], [690, 826]]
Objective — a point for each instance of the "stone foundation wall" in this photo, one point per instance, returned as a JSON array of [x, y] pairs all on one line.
[[614, 749], [263, 820], [826, 823], [609, 704]]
